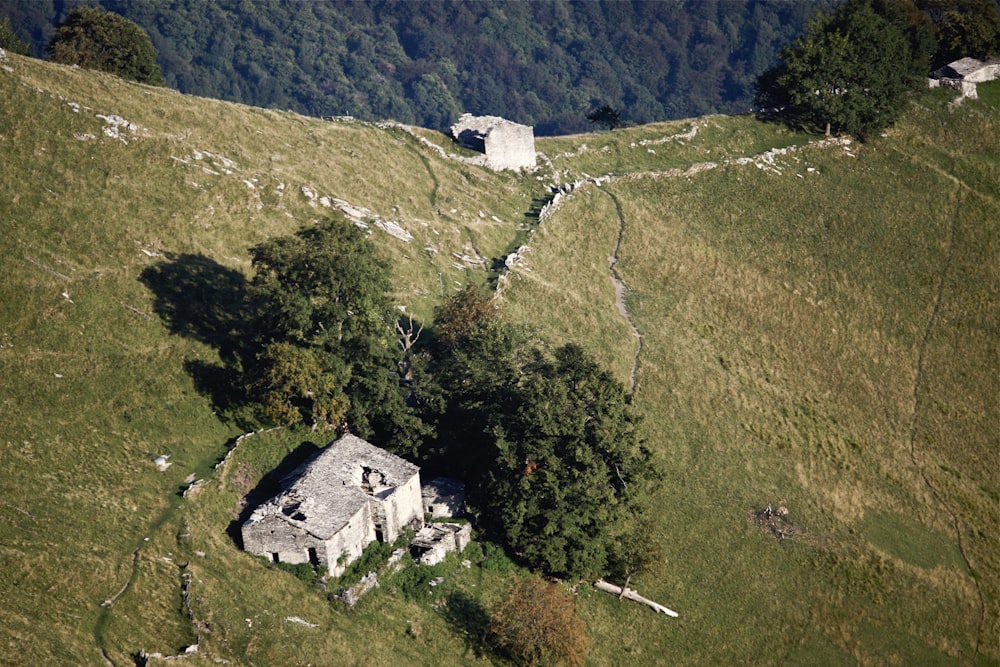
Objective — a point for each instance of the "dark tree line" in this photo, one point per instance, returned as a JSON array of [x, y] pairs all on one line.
[[543, 63]]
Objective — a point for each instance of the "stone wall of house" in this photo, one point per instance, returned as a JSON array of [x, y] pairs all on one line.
[[967, 89], [510, 146], [347, 544], [271, 535], [402, 507]]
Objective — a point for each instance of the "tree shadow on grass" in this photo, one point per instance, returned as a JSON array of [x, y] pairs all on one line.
[[267, 487], [468, 616], [198, 298]]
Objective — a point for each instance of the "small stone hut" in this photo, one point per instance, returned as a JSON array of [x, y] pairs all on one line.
[[336, 503], [435, 540], [964, 74], [506, 145]]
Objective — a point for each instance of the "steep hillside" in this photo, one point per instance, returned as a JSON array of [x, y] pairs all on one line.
[[818, 333]]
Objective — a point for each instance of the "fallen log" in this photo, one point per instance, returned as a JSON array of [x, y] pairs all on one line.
[[630, 594]]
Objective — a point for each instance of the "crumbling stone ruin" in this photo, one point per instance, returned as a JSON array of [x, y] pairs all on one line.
[[505, 144], [345, 497], [435, 540], [335, 504]]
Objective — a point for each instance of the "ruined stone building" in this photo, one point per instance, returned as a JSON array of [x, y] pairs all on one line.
[[331, 507], [505, 144], [964, 74]]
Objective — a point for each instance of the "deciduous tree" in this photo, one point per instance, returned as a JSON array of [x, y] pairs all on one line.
[[95, 39], [323, 345], [848, 75], [568, 465]]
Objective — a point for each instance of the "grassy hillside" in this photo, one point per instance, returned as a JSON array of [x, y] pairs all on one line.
[[819, 332]]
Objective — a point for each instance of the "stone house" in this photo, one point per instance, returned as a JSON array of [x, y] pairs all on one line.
[[505, 144], [964, 74], [332, 506]]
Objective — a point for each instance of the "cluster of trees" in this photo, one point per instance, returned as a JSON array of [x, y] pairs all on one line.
[[541, 63], [546, 440], [851, 72]]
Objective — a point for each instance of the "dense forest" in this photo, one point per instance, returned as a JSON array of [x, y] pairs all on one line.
[[545, 63]]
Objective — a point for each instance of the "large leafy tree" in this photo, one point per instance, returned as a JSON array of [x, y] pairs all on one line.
[[568, 466], [475, 358], [548, 442], [848, 75], [322, 348], [95, 39]]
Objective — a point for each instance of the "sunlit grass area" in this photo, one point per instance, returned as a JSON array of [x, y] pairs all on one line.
[[819, 333]]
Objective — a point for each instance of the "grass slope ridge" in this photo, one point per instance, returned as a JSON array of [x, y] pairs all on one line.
[[819, 331]]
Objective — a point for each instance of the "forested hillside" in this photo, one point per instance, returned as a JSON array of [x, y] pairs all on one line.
[[541, 63]]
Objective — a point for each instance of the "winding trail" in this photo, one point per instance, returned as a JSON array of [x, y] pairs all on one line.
[[918, 381], [106, 605], [621, 290], [204, 468]]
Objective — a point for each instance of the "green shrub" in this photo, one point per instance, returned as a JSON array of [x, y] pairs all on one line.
[[495, 559]]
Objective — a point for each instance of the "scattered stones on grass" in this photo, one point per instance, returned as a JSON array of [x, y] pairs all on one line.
[[775, 521]]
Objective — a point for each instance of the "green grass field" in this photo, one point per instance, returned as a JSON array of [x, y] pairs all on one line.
[[819, 332]]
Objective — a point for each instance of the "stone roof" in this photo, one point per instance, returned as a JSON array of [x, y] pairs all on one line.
[[323, 493], [960, 69]]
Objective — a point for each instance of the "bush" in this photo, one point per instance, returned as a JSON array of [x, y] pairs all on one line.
[[537, 624], [495, 559], [374, 557], [414, 581]]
